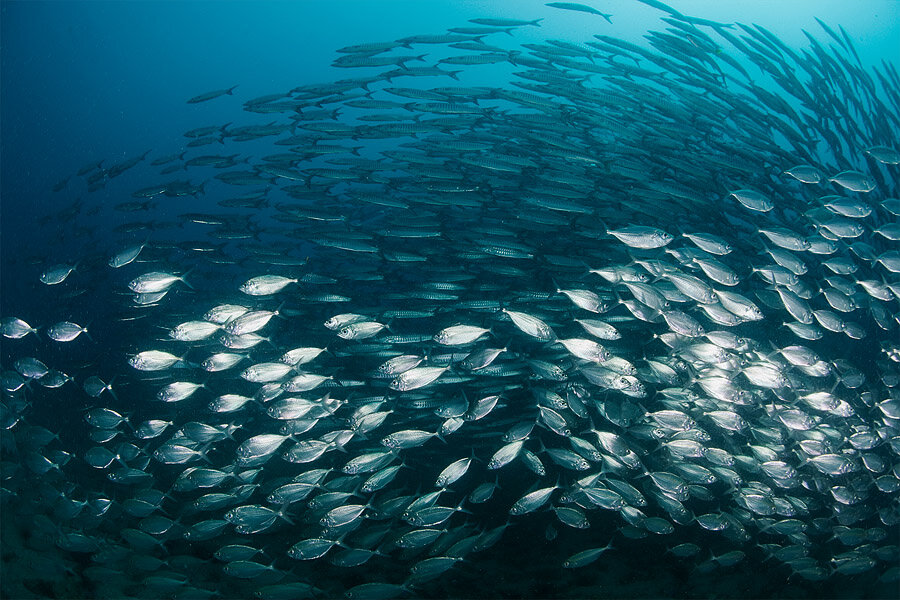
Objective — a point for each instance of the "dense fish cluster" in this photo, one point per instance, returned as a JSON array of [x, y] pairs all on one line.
[[627, 294]]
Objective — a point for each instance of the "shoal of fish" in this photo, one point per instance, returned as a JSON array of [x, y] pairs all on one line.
[[647, 288]]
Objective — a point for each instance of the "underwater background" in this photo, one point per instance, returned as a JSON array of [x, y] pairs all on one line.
[[558, 183]]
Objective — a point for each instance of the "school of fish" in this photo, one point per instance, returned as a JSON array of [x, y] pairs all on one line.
[[633, 293]]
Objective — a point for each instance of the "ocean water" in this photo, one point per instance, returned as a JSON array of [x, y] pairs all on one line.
[[468, 207]]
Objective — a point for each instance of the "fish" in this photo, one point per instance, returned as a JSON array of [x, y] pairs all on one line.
[[854, 181], [265, 285], [574, 6], [15, 328], [585, 557], [600, 287], [153, 360], [496, 22], [57, 274], [532, 501], [416, 378], [153, 282], [205, 97], [459, 335], [531, 325], [66, 331], [753, 200], [641, 236], [193, 331], [126, 256]]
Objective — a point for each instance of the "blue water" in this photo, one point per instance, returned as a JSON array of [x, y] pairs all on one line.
[[82, 82], [90, 81], [85, 81]]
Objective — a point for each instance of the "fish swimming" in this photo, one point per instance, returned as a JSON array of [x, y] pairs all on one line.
[[575, 295]]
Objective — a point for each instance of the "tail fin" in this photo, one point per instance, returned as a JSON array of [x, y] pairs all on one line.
[[183, 278]]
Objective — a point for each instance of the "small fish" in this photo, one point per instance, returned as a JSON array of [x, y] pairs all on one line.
[[15, 328], [211, 95], [266, 285], [753, 200], [57, 274], [250, 321], [361, 330], [532, 501], [585, 557], [153, 360], [94, 386], [579, 8], [416, 378], [178, 391], [453, 472], [459, 335], [193, 331], [531, 325], [126, 256], [884, 154], [640, 236], [854, 181], [154, 282]]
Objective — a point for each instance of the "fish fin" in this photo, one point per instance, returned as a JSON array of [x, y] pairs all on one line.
[[183, 278], [110, 390], [281, 514]]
